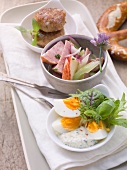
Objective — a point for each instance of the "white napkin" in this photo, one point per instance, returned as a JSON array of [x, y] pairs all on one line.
[[25, 64]]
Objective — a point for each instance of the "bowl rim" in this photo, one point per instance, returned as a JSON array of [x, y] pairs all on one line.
[[64, 38]]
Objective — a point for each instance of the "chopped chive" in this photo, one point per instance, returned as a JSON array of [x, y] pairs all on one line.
[[57, 56]]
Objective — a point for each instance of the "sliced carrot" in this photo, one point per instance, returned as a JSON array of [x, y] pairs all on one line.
[[66, 75]]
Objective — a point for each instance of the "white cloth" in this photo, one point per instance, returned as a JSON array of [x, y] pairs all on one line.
[[25, 64]]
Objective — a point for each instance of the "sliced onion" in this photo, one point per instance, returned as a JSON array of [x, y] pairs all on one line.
[[73, 54], [84, 61], [76, 44]]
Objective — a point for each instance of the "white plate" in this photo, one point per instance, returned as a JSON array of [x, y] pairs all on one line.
[[33, 156]]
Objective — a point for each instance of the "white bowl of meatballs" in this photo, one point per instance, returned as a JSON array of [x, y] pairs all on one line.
[[46, 24]]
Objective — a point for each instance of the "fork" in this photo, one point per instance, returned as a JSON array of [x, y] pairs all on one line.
[[39, 100], [46, 91]]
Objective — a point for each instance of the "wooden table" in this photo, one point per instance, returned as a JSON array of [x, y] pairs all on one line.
[[11, 152]]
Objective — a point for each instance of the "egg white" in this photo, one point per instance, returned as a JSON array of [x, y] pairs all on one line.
[[98, 135], [57, 126], [62, 110]]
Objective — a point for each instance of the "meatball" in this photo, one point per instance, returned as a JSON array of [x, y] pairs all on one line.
[[45, 37], [50, 19]]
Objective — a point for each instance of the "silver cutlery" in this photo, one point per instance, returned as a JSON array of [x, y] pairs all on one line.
[[46, 91], [39, 100]]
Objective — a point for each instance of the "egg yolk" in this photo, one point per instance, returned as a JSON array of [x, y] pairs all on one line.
[[72, 103], [93, 126], [70, 123]]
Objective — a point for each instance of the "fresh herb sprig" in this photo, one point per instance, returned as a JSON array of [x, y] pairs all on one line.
[[102, 42], [90, 98], [96, 107], [34, 32]]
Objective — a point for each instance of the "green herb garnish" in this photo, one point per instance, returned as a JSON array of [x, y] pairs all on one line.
[[35, 25], [22, 29], [34, 32], [57, 56], [102, 42], [96, 107]]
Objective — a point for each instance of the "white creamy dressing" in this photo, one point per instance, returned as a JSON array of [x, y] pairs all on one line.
[[116, 14], [78, 138]]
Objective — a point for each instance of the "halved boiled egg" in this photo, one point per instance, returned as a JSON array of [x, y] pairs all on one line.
[[65, 124], [98, 135], [67, 107], [96, 131]]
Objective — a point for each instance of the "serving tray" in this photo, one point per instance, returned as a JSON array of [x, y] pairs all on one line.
[[33, 156]]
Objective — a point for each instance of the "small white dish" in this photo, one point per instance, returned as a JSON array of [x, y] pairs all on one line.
[[52, 116], [70, 26]]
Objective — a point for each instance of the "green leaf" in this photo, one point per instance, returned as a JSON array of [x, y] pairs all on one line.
[[21, 29], [34, 33], [90, 98], [93, 115], [90, 113], [119, 122], [85, 69], [35, 25], [122, 103], [119, 106], [106, 108], [94, 106], [34, 42]]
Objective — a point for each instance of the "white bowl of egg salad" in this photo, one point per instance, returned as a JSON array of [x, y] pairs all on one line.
[[84, 121]]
